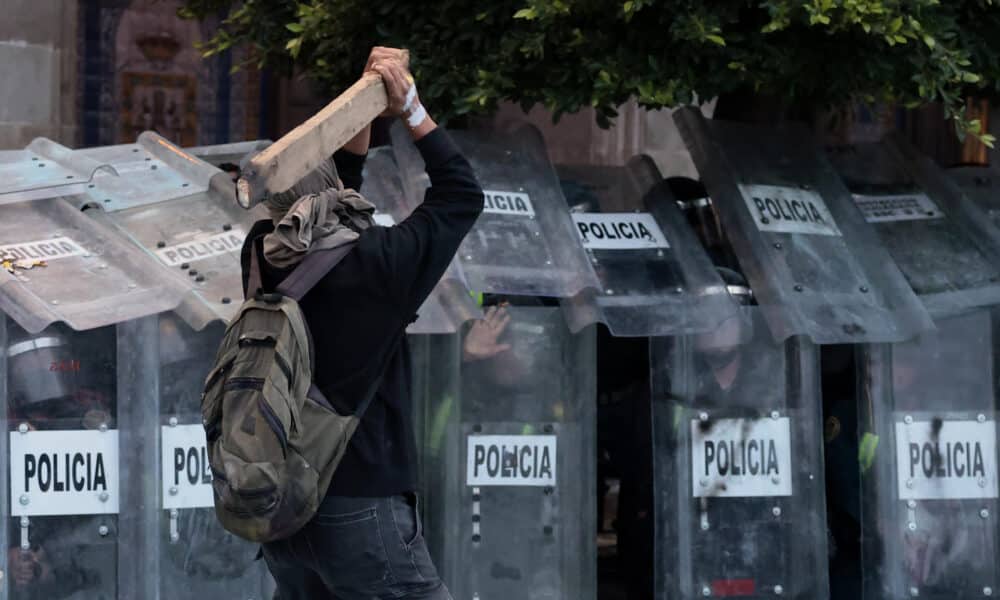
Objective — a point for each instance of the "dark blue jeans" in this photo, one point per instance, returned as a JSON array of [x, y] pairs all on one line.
[[357, 549]]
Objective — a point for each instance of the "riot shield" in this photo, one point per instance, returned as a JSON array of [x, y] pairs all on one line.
[[508, 459], [63, 479], [945, 245], [980, 185], [524, 242], [56, 264], [927, 410], [197, 241], [151, 170], [197, 557], [45, 169], [655, 277], [815, 267], [739, 486]]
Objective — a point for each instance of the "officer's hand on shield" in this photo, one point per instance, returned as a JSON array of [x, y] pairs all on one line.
[[482, 340], [28, 566]]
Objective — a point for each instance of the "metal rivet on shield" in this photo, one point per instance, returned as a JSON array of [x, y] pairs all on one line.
[[609, 292], [659, 253], [776, 511], [102, 266], [227, 227], [200, 278], [161, 244], [704, 525], [25, 522], [23, 428], [173, 490], [911, 526], [172, 422], [468, 257], [798, 287], [778, 590], [909, 483], [476, 538], [987, 591], [703, 416], [777, 246], [908, 420], [548, 490], [548, 263], [703, 482], [678, 290], [132, 286], [547, 428], [103, 531], [982, 482], [226, 300], [864, 289], [981, 418], [705, 591], [775, 414], [765, 220], [776, 480], [914, 592], [103, 428], [24, 500], [55, 303], [104, 497], [984, 513], [911, 503]]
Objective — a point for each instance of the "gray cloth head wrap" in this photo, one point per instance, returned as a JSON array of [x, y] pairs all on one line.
[[317, 213]]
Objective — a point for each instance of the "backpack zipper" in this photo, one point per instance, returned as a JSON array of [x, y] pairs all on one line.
[[275, 424]]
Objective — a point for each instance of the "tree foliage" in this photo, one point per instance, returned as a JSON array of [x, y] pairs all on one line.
[[567, 54]]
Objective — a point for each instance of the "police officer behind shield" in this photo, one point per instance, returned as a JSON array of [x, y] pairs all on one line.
[[60, 380], [365, 540]]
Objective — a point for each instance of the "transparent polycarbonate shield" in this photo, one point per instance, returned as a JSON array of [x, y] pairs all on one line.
[[815, 266], [738, 467], [61, 480], [151, 170], [655, 277], [929, 463], [524, 242], [197, 242], [944, 244], [981, 185], [509, 448], [197, 557], [45, 169], [385, 185], [64, 266]]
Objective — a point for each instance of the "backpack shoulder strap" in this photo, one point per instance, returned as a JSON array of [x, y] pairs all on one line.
[[312, 268]]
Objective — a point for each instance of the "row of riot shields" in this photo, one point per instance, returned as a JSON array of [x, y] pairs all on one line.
[[676, 330], [120, 266]]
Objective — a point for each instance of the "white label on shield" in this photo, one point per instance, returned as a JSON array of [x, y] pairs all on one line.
[[898, 207], [619, 231], [384, 219], [517, 460], [187, 477], [49, 249], [63, 473], [507, 203], [946, 460], [782, 209], [741, 458], [202, 247]]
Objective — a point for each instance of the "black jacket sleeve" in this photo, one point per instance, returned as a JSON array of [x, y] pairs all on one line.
[[349, 167], [415, 254]]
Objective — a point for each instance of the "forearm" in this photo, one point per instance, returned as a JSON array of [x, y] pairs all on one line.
[[359, 143]]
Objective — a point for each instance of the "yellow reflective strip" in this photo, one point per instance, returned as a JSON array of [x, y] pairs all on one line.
[[866, 451]]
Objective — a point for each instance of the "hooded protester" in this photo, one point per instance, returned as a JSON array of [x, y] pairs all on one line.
[[365, 540]]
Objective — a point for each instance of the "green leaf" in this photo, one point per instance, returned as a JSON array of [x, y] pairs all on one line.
[[930, 41], [715, 39], [971, 77], [526, 13], [294, 27]]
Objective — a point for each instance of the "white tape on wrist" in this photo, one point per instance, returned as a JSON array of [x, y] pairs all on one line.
[[411, 95], [418, 117]]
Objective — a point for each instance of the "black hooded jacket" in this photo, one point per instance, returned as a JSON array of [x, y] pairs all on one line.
[[358, 312]]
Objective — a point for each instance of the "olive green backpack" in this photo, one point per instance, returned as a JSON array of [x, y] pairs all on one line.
[[274, 440]]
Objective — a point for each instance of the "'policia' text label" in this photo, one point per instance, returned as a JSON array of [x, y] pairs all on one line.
[[741, 457], [522, 460], [946, 460], [782, 209]]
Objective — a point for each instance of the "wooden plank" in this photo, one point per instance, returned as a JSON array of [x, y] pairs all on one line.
[[301, 150]]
